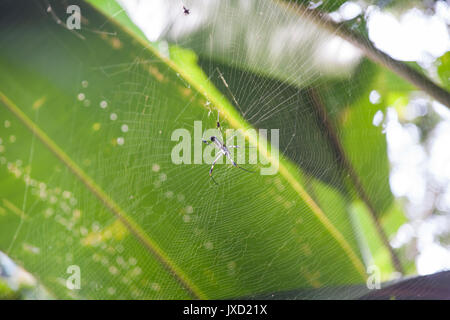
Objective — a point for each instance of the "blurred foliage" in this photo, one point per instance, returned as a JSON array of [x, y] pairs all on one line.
[[324, 5], [402, 5], [266, 37], [444, 69], [6, 292]]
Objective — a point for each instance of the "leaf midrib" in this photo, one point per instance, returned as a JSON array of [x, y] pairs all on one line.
[[120, 214]]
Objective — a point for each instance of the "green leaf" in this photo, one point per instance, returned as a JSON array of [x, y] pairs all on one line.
[[136, 224], [315, 144], [376, 253], [444, 69]]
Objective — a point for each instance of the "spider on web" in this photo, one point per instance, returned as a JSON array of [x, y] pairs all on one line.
[[223, 150], [186, 11]]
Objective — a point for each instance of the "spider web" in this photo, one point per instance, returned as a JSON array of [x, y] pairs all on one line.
[[267, 75], [252, 64], [227, 240]]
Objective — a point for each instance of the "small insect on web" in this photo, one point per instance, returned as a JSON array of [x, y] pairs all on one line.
[[224, 150], [186, 10]]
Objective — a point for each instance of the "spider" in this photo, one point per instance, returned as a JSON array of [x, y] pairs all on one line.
[[186, 10], [223, 150]]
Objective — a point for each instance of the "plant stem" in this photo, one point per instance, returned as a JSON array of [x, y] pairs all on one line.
[[366, 46]]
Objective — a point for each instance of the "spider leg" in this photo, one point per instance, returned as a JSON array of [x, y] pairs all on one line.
[[245, 169], [233, 146], [218, 123], [214, 180], [212, 167], [235, 164]]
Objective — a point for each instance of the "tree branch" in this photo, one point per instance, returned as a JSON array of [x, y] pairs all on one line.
[[403, 70], [346, 164]]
